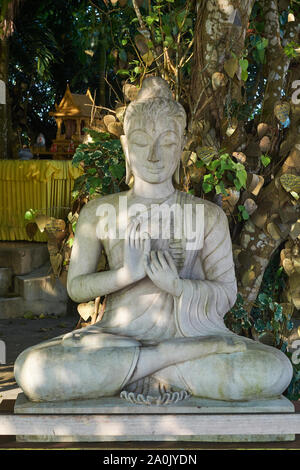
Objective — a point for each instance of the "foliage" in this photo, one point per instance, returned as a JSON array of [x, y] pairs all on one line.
[[268, 321], [221, 172], [238, 319], [268, 313], [50, 47], [168, 28], [293, 391], [103, 163]]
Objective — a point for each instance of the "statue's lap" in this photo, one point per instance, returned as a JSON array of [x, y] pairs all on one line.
[[258, 372]]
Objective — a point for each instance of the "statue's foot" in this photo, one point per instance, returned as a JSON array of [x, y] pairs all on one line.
[[151, 391]]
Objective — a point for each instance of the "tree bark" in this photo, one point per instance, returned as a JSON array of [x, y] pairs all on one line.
[[278, 62], [266, 230], [216, 38]]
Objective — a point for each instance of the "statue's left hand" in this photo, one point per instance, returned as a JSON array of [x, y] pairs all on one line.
[[161, 269]]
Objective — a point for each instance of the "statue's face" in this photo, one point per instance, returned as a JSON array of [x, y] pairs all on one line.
[[154, 152]]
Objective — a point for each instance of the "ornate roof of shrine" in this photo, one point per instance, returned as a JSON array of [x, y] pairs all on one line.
[[74, 105]]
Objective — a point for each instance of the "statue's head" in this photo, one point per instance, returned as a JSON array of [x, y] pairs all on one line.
[[154, 133]]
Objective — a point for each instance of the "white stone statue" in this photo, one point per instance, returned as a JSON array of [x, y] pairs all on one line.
[[162, 336]]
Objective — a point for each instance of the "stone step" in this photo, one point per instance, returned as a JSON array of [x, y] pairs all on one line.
[[39, 285], [11, 307], [45, 307], [17, 307], [5, 280], [23, 257]]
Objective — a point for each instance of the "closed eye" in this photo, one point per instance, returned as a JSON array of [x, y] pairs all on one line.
[[141, 144]]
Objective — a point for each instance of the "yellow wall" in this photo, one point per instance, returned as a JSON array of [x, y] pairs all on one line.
[[43, 185]]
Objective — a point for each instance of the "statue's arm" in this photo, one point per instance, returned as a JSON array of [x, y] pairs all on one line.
[[84, 283]]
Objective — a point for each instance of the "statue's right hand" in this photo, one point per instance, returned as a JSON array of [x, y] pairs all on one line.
[[136, 247]]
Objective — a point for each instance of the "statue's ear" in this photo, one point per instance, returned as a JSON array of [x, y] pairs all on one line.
[[176, 175], [124, 144]]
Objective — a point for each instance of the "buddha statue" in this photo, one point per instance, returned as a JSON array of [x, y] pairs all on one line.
[[170, 282]]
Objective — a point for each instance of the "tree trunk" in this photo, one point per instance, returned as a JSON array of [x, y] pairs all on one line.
[[266, 230], [220, 30], [278, 62]]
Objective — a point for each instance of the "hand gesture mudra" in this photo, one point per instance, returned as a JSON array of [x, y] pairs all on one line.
[[136, 248], [161, 269]]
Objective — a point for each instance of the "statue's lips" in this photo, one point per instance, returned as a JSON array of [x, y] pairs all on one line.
[[155, 169]]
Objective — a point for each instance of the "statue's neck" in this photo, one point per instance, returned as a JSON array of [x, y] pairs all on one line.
[[152, 191]]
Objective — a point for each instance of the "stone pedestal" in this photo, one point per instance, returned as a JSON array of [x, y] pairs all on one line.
[[194, 419]]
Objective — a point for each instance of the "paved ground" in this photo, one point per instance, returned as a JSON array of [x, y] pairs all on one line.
[[20, 333]]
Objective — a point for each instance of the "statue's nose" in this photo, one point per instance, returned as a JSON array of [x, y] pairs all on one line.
[[153, 155]]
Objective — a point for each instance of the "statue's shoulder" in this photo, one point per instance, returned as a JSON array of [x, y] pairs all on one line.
[[209, 207], [111, 199], [214, 216]]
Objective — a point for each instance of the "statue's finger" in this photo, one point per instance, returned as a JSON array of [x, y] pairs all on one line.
[[132, 234], [154, 260], [170, 262], [137, 236], [148, 270], [146, 243], [162, 260]]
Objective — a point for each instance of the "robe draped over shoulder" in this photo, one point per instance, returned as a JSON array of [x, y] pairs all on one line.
[[210, 287]]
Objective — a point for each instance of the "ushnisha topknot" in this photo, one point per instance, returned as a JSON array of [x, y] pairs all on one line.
[[154, 87], [154, 100]]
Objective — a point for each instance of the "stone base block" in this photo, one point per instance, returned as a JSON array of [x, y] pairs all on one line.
[[194, 419], [11, 307], [5, 280], [40, 285], [23, 257], [162, 438]]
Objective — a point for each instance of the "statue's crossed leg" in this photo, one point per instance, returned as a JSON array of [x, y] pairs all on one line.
[[220, 367]]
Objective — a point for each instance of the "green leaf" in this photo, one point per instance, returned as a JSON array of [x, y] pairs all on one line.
[[208, 178], [265, 160], [259, 325], [29, 215], [264, 299], [220, 188], [244, 75], [117, 171], [244, 213], [244, 64], [207, 187], [242, 177]]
